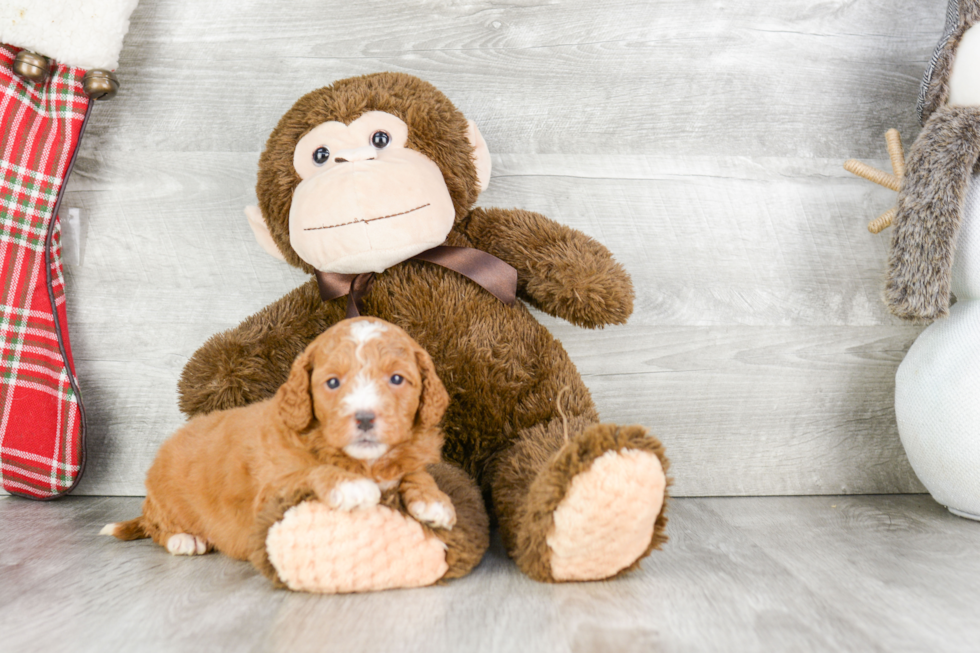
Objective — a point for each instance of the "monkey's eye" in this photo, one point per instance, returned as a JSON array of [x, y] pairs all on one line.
[[321, 155], [333, 383], [380, 139], [397, 379]]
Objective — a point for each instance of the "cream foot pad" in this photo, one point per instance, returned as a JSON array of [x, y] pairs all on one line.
[[316, 549], [606, 520]]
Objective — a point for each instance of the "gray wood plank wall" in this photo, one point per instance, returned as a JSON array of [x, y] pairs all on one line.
[[702, 141]]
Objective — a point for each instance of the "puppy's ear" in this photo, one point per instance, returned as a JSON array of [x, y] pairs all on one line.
[[434, 399], [294, 400]]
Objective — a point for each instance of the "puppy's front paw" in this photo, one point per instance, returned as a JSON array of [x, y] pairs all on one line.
[[348, 495], [436, 514], [185, 544]]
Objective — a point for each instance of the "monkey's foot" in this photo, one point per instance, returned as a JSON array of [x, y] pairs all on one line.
[[606, 521], [317, 549], [609, 484]]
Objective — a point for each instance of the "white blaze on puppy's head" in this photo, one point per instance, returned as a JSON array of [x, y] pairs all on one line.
[[363, 397], [363, 394], [364, 331]]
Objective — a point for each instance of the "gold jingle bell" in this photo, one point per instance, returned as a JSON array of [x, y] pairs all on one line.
[[31, 66], [100, 84]]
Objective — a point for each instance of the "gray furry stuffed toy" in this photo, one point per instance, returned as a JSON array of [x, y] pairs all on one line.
[[935, 253], [938, 172]]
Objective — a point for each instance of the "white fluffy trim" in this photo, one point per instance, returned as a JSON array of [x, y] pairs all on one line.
[[83, 33]]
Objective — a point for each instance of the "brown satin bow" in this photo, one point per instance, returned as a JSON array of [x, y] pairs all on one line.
[[497, 277]]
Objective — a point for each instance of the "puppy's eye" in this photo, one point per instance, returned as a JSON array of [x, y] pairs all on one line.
[[321, 155], [333, 383], [397, 379], [380, 139]]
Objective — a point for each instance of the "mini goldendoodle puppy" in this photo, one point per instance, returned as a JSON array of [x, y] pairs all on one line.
[[358, 415]]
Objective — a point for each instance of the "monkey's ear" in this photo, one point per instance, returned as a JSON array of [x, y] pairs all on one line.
[[261, 231], [481, 155]]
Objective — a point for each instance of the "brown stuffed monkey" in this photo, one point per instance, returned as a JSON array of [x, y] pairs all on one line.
[[360, 177]]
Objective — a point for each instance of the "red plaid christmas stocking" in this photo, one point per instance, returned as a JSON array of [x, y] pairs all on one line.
[[42, 423]]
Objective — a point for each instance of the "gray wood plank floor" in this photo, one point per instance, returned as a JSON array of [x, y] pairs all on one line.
[[701, 141], [844, 573]]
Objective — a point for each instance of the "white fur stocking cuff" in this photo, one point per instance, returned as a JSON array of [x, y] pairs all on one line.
[[83, 33]]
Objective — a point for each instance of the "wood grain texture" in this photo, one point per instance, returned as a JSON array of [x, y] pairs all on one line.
[[753, 78], [701, 142], [882, 573]]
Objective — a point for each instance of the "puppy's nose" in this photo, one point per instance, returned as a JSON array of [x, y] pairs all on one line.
[[365, 420]]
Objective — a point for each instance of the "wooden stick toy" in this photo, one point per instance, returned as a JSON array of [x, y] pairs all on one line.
[[892, 181]]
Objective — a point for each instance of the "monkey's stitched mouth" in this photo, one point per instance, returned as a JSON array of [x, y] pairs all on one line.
[[384, 217]]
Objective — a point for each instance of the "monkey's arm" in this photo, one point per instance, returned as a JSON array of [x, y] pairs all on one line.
[[559, 269], [249, 362], [930, 207]]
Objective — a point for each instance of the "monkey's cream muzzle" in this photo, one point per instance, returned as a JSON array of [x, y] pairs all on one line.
[[367, 215], [364, 205]]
